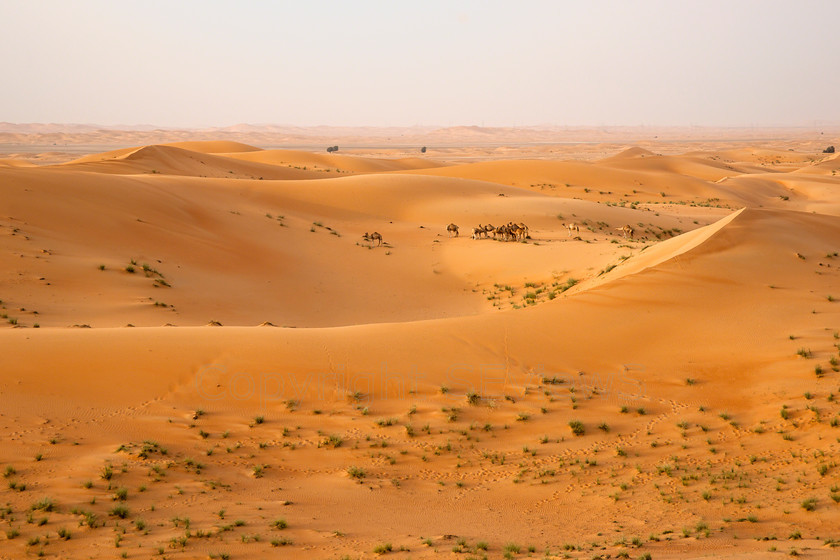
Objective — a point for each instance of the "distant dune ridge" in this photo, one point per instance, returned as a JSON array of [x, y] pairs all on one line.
[[455, 136], [582, 391]]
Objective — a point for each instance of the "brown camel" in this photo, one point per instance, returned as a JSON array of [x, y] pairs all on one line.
[[375, 236], [452, 228]]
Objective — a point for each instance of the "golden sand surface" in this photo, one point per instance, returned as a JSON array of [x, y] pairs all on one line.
[[203, 357]]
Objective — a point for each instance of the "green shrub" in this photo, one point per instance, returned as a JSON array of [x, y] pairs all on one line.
[[119, 511], [45, 504], [356, 472], [382, 548]]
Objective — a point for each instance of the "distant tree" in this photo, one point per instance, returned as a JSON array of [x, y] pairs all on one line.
[[330, 150], [335, 148], [829, 150], [423, 150]]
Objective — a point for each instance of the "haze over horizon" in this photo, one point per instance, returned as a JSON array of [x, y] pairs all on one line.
[[206, 64]]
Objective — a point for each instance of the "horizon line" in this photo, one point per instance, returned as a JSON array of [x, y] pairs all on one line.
[[121, 126]]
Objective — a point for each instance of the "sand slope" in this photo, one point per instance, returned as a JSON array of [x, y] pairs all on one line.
[[345, 164]]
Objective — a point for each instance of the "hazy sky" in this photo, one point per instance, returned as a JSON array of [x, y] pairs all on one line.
[[211, 63]]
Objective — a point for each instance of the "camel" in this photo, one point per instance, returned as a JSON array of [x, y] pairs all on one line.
[[627, 231], [572, 227], [488, 229], [526, 229], [452, 228], [478, 232], [375, 236]]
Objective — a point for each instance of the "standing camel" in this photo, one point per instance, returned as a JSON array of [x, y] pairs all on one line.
[[627, 231], [375, 236], [452, 228], [572, 227]]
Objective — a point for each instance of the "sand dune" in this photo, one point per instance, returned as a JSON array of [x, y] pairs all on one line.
[[683, 275], [265, 251], [15, 163], [346, 164], [828, 165], [215, 147], [645, 180], [433, 373], [172, 160], [704, 168], [235, 160]]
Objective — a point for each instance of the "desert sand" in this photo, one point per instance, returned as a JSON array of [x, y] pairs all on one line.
[[204, 358]]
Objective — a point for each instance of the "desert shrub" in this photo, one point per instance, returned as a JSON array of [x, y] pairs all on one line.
[[119, 511], [383, 548], [356, 472], [332, 441], [45, 504]]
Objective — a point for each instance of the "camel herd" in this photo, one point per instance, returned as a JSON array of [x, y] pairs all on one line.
[[517, 232], [508, 232]]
